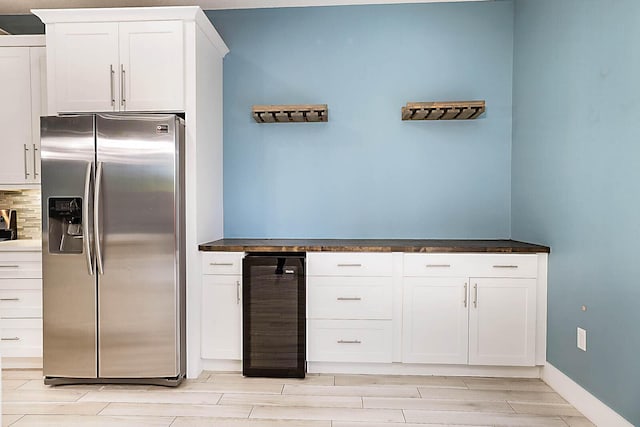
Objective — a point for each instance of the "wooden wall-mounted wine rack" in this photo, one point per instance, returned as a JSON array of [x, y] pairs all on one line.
[[457, 110], [290, 113]]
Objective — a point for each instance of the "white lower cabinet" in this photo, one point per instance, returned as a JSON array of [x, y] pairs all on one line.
[[469, 319], [436, 320], [221, 320], [502, 322], [349, 341], [21, 308]]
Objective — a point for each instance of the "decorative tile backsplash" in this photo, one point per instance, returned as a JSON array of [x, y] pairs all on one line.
[[27, 205]]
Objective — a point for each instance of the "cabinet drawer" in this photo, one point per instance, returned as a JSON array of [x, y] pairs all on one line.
[[350, 341], [20, 265], [21, 337], [349, 264], [22, 303], [470, 265], [436, 265], [222, 262], [349, 297]]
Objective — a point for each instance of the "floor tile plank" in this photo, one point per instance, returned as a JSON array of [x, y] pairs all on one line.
[[437, 405], [22, 374], [176, 410], [122, 396], [510, 395], [33, 408], [578, 422], [364, 391], [475, 418], [424, 381], [91, 421], [42, 395], [292, 400], [339, 414], [223, 378], [240, 422], [545, 409], [7, 420], [521, 384]]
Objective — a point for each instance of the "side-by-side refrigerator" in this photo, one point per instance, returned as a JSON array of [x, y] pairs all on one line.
[[113, 249]]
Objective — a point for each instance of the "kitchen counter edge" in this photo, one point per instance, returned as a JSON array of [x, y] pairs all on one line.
[[372, 245]]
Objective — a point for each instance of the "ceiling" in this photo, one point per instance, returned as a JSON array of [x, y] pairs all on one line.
[[24, 6]]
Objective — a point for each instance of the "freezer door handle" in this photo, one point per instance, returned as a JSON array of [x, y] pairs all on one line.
[[85, 218], [96, 218]]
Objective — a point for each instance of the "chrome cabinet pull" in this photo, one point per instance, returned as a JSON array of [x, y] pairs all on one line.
[[9, 266], [348, 299], [505, 266], [35, 161], [349, 265], [85, 216], [237, 291], [221, 263], [10, 339], [96, 218], [465, 295], [438, 265], [9, 299], [349, 342], [26, 166], [113, 92], [122, 83], [475, 295]]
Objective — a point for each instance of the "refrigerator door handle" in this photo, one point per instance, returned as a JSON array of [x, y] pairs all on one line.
[[85, 218], [96, 218]]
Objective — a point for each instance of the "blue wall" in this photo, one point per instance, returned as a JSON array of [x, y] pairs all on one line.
[[366, 173], [576, 182]]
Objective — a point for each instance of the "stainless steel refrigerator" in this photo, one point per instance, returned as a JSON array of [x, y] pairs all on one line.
[[113, 249]]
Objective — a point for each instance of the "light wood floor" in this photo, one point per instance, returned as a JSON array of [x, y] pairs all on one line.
[[217, 399]]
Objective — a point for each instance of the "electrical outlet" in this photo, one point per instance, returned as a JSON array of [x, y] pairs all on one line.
[[582, 339]]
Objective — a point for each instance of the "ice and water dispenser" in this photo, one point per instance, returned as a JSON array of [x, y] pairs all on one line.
[[65, 225]]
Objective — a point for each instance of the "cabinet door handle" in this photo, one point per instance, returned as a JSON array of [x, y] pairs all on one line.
[[112, 75], [349, 342], [475, 295], [237, 291], [26, 166], [218, 264], [10, 339], [438, 265], [349, 265], [505, 266], [465, 295], [9, 266], [348, 299], [9, 299], [35, 161], [122, 84]]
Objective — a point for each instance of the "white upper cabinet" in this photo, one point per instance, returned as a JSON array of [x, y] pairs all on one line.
[[137, 59], [22, 84], [127, 66]]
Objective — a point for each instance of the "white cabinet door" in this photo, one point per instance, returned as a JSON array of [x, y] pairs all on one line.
[[435, 320], [38, 102], [86, 67], [151, 57], [16, 164], [221, 331], [502, 322]]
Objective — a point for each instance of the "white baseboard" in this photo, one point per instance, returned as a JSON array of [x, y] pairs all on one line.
[[590, 406], [422, 369], [21, 362], [222, 365]]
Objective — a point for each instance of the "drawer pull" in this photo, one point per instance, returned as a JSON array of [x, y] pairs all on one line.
[[438, 265], [9, 266], [505, 266], [349, 265], [10, 339], [221, 264], [349, 299], [349, 342], [9, 299]]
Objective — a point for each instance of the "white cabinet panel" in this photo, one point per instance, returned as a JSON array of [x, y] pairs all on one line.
[[349, 341], [20, 303], [502, 322], [221, 317], [86, 67], [436, 265], [222, 262], [16, 161], [349, 297], [151, 56], [435, 320], [349, 264], [21, 337]]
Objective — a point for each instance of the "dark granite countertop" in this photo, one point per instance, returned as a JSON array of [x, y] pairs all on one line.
[[371, 245]]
